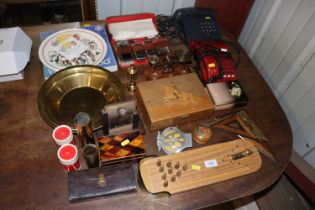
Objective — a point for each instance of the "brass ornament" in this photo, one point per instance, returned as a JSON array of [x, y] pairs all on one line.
[[75, 89], [132, 72]]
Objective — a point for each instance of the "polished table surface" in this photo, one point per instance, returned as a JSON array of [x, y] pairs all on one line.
[[32, 178]]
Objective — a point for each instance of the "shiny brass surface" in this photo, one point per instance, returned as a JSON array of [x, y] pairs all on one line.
[[132, 71], [78, 89]]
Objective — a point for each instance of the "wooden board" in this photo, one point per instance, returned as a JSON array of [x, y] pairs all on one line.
[[199, 167]]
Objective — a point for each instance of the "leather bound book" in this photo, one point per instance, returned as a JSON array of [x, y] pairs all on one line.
[[106, 180]]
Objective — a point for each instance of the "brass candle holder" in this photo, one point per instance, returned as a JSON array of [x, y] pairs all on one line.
[[132, 71]]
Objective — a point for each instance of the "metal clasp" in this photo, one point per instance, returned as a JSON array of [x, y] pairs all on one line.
[[101, 180]]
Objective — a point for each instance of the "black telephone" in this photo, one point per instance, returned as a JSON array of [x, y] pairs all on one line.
[[196, 24]]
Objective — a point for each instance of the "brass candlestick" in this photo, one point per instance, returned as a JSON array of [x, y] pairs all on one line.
[[132, 71]]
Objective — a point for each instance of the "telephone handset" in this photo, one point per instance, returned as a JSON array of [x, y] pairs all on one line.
[[196, 24], [214, 62]]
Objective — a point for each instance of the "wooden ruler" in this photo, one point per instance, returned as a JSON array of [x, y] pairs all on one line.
[[199, 167]]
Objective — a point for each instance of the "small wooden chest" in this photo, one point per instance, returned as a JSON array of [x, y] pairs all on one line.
[[173, 100]]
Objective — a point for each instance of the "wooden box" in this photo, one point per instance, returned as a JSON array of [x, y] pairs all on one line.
[[173, 100]]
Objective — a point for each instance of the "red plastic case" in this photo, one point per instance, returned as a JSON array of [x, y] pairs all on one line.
[[134, 48]]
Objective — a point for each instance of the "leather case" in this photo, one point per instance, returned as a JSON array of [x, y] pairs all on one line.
[[107, 180]]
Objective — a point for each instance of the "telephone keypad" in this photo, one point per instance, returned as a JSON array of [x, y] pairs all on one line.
[[228, 66], [208, 27]]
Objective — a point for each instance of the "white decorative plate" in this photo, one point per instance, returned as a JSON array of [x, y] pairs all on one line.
[[72, 47]]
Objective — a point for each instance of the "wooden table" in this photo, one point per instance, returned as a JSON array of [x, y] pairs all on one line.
[[32, 178]]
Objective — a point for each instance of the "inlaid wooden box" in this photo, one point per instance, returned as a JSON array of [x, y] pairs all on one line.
[[173, 100]]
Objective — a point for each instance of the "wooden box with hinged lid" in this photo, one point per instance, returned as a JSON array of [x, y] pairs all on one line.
[[173, 100]]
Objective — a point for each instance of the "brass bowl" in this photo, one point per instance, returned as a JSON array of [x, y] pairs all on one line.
[[78, 89]]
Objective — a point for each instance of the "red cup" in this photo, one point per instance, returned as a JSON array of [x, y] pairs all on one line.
[[62, 134], [68, 156]]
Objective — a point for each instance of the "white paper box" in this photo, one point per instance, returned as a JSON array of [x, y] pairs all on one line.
[[15, 49]]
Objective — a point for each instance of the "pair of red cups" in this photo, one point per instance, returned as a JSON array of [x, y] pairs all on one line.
[[67, 153]]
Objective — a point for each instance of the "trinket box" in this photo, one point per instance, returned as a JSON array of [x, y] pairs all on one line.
[[121, 147], [173, 100], [226, 95]]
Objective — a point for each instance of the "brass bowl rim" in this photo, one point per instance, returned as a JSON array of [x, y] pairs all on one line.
[[40, 108]]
